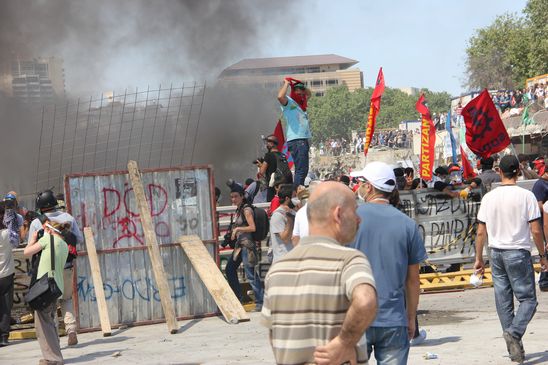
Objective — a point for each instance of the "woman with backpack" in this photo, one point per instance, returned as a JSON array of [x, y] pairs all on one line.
[[46, 328], [245, 248]]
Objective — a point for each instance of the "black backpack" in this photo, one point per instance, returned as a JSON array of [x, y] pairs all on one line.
[[282, 175], [262, 224]]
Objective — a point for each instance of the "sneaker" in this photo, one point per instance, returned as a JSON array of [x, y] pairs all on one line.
[[514, 347], [72, 339], [419, 339]]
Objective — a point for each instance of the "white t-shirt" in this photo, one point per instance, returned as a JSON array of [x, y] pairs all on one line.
[[6, 255], [278, 221], [507, 212], [545, 207], [300, 228]]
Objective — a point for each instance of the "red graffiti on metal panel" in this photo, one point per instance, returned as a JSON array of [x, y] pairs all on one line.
[[113, 208]]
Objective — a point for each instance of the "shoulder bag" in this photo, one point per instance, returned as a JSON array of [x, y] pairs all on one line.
[[45, 290]]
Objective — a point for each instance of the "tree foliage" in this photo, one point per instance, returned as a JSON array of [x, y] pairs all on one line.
[[339, 111], [510, 50]]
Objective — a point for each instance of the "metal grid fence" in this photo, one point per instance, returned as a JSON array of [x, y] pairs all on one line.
[[157, 128]]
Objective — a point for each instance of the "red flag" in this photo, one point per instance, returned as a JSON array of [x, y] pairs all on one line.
[[428, 140], [282, 146], [374, 110], [467, 169], [485, 132]]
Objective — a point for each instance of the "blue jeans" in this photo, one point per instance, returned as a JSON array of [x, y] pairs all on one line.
[[391, 344], [299, 152], [231, 271], [513, 275]]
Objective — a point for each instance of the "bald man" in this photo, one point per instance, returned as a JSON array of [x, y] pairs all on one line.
[[320, 297]]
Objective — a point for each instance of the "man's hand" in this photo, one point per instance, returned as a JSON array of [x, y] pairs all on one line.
[[479, 266], [411, 328], [544, 264], [335, 353]]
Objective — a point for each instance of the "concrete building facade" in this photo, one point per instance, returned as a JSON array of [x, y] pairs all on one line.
[[318, 72], [38, 80]]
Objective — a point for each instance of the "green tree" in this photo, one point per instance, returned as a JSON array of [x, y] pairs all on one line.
[[339, 112], [536, 13], [510, 50]]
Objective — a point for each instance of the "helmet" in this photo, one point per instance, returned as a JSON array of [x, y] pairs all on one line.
[[45, 200]]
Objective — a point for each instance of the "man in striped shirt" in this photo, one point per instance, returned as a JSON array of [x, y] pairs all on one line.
[[320, 297]]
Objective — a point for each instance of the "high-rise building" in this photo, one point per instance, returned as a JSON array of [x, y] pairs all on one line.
[[317, 72], [38, 80]]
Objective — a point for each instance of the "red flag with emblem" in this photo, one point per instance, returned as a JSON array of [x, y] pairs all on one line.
[[374, 110], [428, 140], [485, 132]]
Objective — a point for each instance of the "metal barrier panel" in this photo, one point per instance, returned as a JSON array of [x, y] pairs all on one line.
[[181, 203], [448, 225]]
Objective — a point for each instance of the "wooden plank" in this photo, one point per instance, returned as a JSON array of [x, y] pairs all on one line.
[[97, 282], [213, 279], [153, 249]]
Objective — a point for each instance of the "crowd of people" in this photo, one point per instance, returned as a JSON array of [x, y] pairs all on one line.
[[378, 283], [49, 236], [519, 98], [393, 138], [343, 284]]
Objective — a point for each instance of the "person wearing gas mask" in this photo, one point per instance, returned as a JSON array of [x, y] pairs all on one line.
[[296, 125]]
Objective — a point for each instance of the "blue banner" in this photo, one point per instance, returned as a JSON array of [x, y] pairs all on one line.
[[450, 131]]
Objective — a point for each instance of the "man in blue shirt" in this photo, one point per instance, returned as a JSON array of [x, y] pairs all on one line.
[[296, 126], [394, 246]]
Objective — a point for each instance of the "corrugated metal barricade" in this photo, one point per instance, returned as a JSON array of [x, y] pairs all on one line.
[[180, 201]]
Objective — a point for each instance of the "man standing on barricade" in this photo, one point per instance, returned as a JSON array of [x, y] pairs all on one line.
[[47, 203], [296, 125], [394, 246], [507, 217], [320, 297]]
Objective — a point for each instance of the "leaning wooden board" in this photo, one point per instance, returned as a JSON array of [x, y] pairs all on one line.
[[213, 279]]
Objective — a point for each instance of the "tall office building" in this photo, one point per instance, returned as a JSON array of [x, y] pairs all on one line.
[[38, 80], [317, 72]]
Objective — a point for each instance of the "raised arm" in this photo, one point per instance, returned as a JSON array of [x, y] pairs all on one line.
[[282, 98]]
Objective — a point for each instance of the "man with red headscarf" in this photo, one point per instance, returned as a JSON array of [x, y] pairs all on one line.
[[296, 125]]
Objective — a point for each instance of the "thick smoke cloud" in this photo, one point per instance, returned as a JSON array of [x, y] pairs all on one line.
[[113, 45], [127, 43]]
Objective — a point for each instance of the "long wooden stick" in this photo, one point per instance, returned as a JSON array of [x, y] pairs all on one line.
[[97, 282], [153, 249]]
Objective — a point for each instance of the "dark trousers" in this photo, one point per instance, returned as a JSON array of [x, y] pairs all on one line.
[[298, 148], [6, 302]]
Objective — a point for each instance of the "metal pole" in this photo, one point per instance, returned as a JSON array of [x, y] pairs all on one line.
[[143, 127], [165, 125], [188, 121], [52, 137], [108, 132], [86, 134], [75, 132], [177, 125], [198, 125], [154, 125], [39, 150], [98, 129], [120, 131], [132, 123]]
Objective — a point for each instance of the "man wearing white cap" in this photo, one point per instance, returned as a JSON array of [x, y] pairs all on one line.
[[394, 246]]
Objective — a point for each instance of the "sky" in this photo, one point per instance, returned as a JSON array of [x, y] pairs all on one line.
[[418, 43], [113, 45]]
